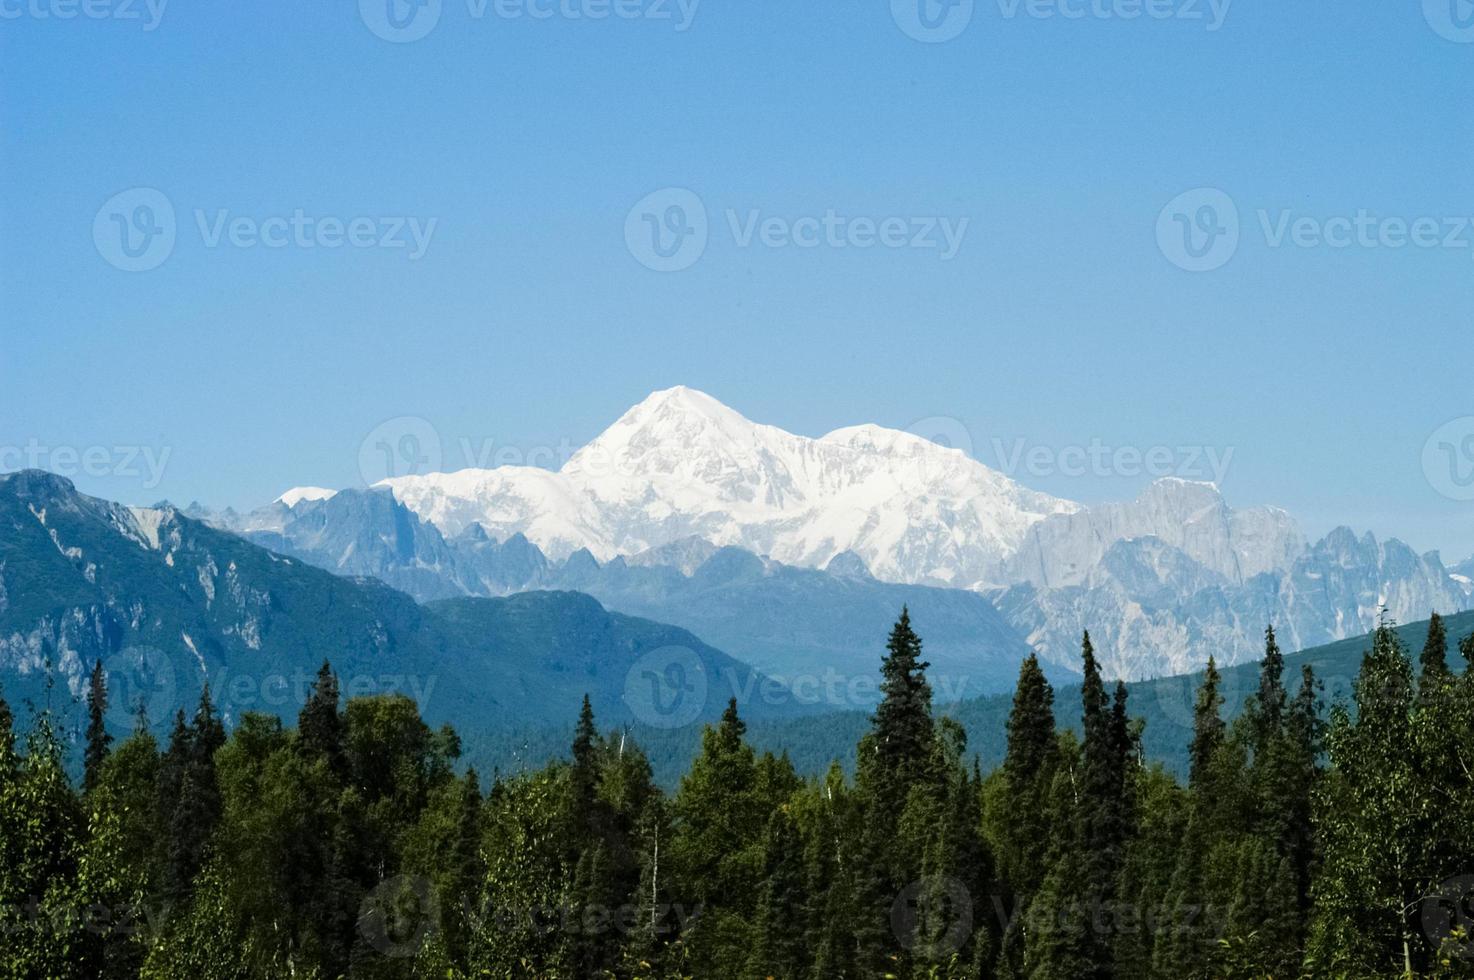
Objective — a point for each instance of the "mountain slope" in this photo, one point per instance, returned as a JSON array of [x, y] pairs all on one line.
[[1156, 603], [1153, 610], [168, 604], [814, 628], [681, 464], [789, 622], [1165, 704]]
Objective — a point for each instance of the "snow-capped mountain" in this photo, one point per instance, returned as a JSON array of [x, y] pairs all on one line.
[[1161, 582], [1153, 610], [681, 464], [1463, 574], [1192, 518]]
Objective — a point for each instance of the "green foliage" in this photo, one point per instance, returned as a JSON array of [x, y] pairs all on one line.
[[351, 846]]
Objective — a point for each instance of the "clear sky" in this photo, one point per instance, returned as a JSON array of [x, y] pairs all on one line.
[[1066, 316]]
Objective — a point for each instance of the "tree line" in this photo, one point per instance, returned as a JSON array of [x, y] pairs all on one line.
[[1304, 843]]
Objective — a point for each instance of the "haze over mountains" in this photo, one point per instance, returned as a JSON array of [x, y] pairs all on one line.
[[168, 604], [1162, 582], [771, 555]]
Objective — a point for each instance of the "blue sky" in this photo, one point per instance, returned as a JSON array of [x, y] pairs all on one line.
[[1062, 321]]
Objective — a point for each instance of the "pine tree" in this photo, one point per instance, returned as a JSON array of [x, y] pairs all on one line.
[[1433, 663], [894, 754], [320, 726], [98, 738], [779, 927], [1058, 935], [584, 774], [1028, 766], [464, 874], [194, 809], [717, 850], [1104, 807], [1208, 727], [1305, 734], [1267, 706], [1148, 871], [895, 757]]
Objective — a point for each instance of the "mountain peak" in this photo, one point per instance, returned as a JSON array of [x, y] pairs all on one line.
[[39, 484], [296, 495], [681, 401], [678, 416], [681, 464]]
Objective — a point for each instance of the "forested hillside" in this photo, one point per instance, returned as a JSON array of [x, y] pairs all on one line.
[[1164, 705], [354, 845]]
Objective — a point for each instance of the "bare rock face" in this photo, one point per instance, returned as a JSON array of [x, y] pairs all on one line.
[[1161, 581]]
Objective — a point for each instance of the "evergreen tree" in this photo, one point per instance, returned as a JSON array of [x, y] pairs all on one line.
[[1105, 810], [778, 934], [717, 850], [319, 725], [1267, 707], [894, 754], [1208, 727], [1058, 936], [7, 731], [1433, 662], [1147, 874], [98, 738], [194, 807], [1017, 816]]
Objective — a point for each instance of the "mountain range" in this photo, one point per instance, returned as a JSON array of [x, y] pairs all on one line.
[[790, 622], [1162, 581], [169, 604]]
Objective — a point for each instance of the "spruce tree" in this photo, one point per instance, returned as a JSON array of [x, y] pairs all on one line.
[[195, 809], [1208, 726], [1267, 706], [894, 754], [720, 818], [779, 927], [98, 738], [1058, 942], [1018, 801], [465, 872], [584, 773], [1433, 662], [319, 724], [1104, 808]]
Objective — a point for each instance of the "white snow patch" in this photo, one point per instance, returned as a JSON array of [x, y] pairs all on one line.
[[192, 649], [296, 495]]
